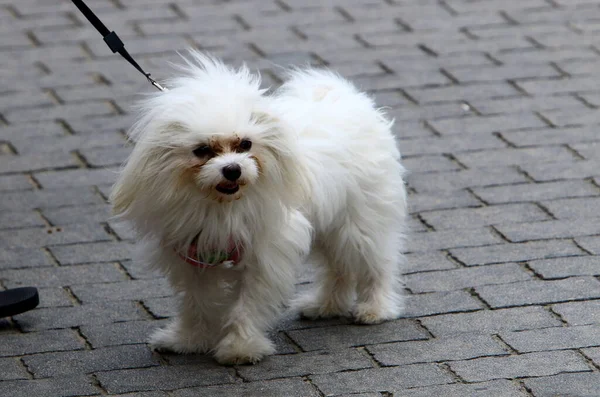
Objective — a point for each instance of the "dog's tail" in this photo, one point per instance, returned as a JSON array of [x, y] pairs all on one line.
[[318, 85], [326, 92]]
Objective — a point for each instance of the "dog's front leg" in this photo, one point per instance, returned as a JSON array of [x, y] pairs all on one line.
[[264, 290]]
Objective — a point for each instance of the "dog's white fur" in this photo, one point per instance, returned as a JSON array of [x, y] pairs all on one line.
[[323, 173]]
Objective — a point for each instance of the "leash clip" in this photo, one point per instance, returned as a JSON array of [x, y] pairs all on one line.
[[155, 83]]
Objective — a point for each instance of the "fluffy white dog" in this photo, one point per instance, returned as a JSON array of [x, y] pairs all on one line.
[[230, 189]]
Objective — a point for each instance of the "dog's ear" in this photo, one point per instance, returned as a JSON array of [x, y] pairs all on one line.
[[129, 184], [123, 191], [291, 171]]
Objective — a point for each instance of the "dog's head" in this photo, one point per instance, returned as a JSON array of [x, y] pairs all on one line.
[[211, 139]]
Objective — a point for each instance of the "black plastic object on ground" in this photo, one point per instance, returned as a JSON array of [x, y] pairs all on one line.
[[18, 300]]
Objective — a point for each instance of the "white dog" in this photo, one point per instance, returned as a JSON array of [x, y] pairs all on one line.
[[229, 190]]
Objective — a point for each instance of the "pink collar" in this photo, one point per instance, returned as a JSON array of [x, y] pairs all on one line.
[[229, 259]]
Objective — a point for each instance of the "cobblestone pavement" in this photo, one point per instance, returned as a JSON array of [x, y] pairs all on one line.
[[496, 105]]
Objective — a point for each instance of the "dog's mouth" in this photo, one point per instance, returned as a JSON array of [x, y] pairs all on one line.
[[228, 187]]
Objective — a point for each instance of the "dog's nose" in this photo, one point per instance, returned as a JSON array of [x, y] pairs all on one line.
[[232, 172]]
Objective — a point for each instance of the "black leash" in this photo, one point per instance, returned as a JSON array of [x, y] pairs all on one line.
[[113, 41]]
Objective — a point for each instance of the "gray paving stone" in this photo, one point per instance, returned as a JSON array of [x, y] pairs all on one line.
[[124, 290], [303, 364], [410, 78], [62, 276], [515, 252], [25, 200], [410, 112], [580, 208], [567, 267], [124, 333], [551, 86], [29, 130], [446, 239], [67, 143], [78, 385], [414, 225], [518, 156], [75, 233], [490, 321], [565, 39], [98, 125], [557, 338], [410, 129], [523, 232], [292, 320], [430, 164], [564, 117], [54, 297], [12, 369], [591, 98], [161, 307], [463, 93], [341, 336], [593, 353], [450, 280], [139, 270], [50, 365], [494, 388], [71, 111], [591, 244], [450, 181], [79, 177], [398, 64], [466, 218], [382, 379], [531, 364], [552, 136], [163, 378], [501, 73], [505, 44], [97, 313], [92, 252], [588, 150], [580, 384], [292, 387], [426, 261], [562, 170], [14, 182], [106, 157], [123, 230], [39, 342], [536, 292], [450, 144], [487, 125], [37, 162], [25, 99], [87, 213], [15, 220], [579, 313], [434, 200], [439, 303], [460, 347], [524, 104]]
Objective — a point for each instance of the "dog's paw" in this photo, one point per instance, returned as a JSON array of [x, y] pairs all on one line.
[[367, 313], [234, 350], [313, 309], [168, 340]]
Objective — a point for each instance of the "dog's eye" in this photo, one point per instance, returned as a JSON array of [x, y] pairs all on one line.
[[202, 151], [245, 144]]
